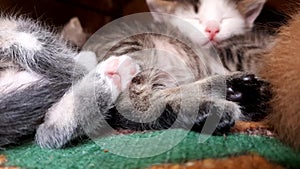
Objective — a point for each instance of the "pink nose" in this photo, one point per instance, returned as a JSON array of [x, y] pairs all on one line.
[[212, 28]]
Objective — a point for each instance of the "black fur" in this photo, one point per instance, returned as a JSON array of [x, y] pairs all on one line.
[[252, 94]]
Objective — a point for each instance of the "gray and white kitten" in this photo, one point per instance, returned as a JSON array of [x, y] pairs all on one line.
[[62, 100], [39, 76]]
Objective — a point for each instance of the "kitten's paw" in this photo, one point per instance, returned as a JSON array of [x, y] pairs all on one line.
[[120, 70], [251, 93], [50, 136], [217, 116]]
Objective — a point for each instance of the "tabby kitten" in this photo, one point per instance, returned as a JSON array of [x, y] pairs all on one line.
[[78, 102], [154, 97]]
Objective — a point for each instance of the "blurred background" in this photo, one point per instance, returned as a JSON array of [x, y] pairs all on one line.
[[95, 13], [92, 13]]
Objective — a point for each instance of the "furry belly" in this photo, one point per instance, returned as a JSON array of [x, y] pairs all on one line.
[[11, 80]]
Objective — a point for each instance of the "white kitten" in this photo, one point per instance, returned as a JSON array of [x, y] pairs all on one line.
[[212, 20]]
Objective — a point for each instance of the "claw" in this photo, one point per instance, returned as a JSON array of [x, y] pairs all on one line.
[[249, 77], [233, 95]]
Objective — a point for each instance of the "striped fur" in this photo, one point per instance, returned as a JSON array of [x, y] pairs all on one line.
[[158, 89], [176, 69], [245, 53]]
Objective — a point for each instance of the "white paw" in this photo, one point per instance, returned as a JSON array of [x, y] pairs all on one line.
[[119, 70], [87, 59]]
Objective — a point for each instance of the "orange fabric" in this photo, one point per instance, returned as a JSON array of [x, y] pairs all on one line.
[[240, 162]]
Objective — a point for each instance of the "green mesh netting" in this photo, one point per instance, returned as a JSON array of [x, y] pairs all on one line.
[[91, 155]]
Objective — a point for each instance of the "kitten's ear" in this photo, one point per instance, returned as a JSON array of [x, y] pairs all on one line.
[[252, 9], [74, 32], [75, 24], [161, 6]]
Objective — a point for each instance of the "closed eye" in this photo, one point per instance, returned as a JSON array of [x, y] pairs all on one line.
[[158, 86], [196, 18], [196, 8], [225, 18]]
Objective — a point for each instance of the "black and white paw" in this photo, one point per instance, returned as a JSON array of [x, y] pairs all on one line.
[[251, 93]]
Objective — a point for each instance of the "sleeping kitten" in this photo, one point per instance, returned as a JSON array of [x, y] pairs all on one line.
[[173, 69], [216, 20], [77, 102], [175, 87], [174, 72], [36, 74]]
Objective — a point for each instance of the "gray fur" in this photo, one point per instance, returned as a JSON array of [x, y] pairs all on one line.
[[73, 102], [92, 99], [22, 109], [244, 52], [156, 95], [158, 91]]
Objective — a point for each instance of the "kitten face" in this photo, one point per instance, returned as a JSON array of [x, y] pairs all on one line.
[[216, 20]]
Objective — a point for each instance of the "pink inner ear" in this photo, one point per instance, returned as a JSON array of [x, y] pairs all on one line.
[[253, 12]]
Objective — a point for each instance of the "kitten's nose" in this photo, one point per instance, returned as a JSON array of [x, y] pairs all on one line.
[[212, 28]]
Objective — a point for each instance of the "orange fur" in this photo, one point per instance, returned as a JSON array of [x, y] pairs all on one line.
[[284, 6], [282, 69]]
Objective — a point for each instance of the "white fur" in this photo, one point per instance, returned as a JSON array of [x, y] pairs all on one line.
[[62, 112], [7, 25], [176, 67], [9, 36], [126, 69], [222, 12], [101, 69], [229, 18], [87, 59], [28, 41], [12, 79]]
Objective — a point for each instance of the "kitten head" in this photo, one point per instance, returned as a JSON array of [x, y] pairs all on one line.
[[217, 20]]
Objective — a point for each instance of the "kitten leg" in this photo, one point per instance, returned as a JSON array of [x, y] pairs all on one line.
[[36, 69], [192, 104], [246, 98], [84, 108]]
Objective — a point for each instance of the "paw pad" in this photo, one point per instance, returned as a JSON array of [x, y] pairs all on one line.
[[120, 70]]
